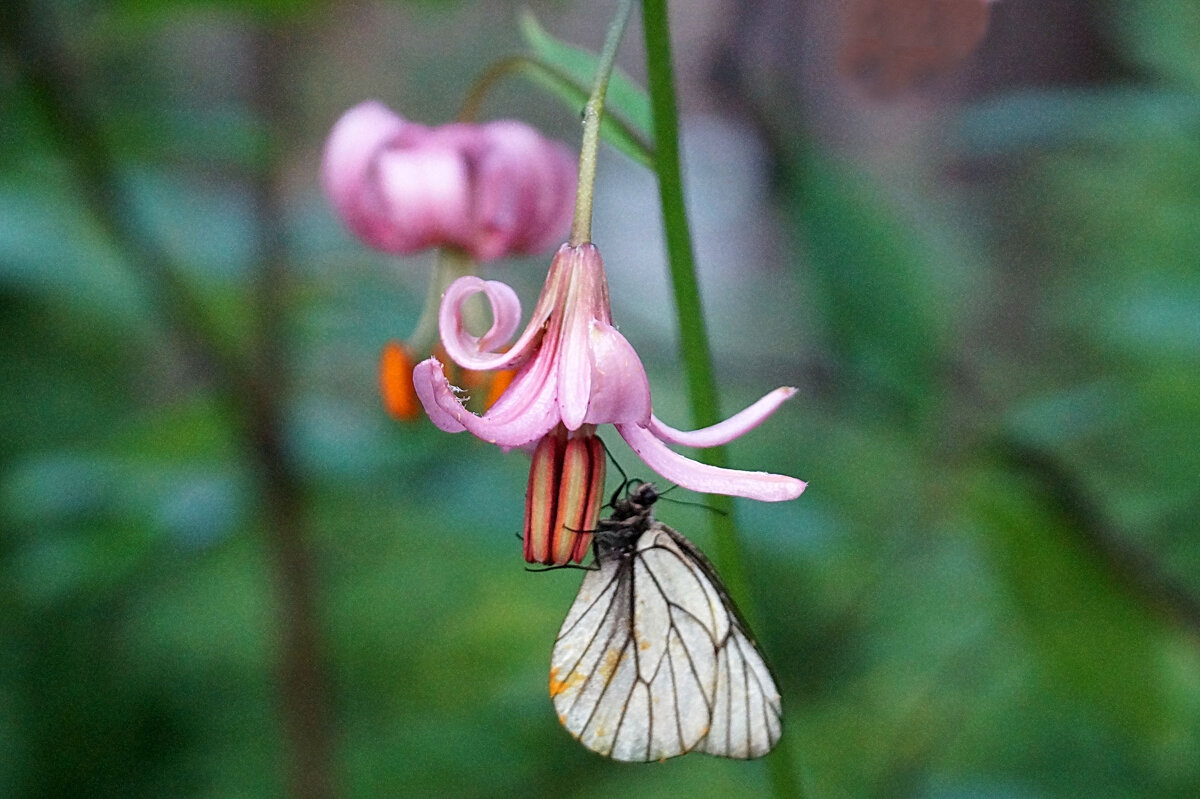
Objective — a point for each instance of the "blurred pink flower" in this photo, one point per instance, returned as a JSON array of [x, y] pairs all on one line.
[[576, 370], [491, 190]]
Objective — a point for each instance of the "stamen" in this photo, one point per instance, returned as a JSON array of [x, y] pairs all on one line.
[[396, 382]]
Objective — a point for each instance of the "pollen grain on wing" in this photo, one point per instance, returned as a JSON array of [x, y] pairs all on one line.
[[557, 686], [608, 667]]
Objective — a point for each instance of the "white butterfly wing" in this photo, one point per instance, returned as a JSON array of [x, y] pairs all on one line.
[[746, 719], [651, 661]]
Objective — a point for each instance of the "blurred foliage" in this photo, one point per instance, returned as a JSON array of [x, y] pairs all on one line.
[[569, 73], [991, 587]]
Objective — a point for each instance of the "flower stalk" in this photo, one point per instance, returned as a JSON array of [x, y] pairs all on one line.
[[593, 112], [693, 335]]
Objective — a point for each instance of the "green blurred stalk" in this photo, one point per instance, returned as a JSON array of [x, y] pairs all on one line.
[[250, 375], [693, 333]]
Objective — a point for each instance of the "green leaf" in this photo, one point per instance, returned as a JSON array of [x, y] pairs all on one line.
[[1163, 35], [1099, 644], [887, 314], [567, 72]]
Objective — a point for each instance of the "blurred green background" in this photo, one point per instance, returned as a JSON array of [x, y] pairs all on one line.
[[225, 573]]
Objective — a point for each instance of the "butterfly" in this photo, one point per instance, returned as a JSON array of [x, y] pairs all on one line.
[[654, 660]]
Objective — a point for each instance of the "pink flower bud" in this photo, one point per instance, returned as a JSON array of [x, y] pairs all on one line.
[[564, 495], [491, 190]]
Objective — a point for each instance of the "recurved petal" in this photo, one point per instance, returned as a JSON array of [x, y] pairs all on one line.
[[439, 400], [477, 352], [726, 431], [524, 413], [506, 187], [556, 201], [573, 367], [707, 479], [423, 197], [526, 187]]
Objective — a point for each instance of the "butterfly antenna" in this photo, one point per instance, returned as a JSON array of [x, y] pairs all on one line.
[[611, 457], [688, 503], [627, 483]]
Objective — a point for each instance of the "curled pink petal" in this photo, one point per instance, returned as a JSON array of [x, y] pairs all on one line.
[[429, 379], [527, 409], [351, 145], [556, 204], [706, 479], [526, 190], [524, 413], [471, 352], [726, 431], [423, 196], [346, 163]]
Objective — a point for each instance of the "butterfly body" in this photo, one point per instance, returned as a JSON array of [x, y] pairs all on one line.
[[653, 659]]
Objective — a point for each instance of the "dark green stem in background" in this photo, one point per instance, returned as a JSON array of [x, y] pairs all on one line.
[[250, 378], [693, 333], [303, 692]]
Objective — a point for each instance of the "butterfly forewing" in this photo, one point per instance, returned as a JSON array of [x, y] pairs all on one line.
[[653, 660], [583, 659]]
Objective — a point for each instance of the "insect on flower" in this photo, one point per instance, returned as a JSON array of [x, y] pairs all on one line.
[[574, 372], [654, 660]]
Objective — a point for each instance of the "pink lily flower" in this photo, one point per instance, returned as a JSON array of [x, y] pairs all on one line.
[[491, 190], [576, 371], [479, 192]]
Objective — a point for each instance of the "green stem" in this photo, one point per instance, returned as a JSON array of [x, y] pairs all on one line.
[[693, 334], [581, 226], [451, 265]]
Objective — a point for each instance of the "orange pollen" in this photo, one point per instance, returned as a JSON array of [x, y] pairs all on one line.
[[396, 382], [500, 382]]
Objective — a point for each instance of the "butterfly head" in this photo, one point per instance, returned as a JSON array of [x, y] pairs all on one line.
[[638, 499]]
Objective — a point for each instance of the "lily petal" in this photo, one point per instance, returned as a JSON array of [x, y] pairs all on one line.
[[424, 198], [726, 431], [574, 353], [471, 352], [491, 190], [524, 413], [620, 388], [706, 479], [347, 161], [428, 379]]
